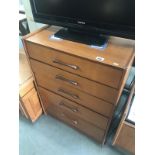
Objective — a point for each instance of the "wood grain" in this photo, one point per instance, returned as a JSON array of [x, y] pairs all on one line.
[[101, 73], [125, 134], [29, 102], [126, 137], [64, 78], [22, 110], [84, 99], [24, 69], [115, 52], [32, 105], [52, 99], [26, 87], [78, 123]]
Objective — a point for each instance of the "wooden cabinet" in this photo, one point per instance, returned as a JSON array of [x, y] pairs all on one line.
[[125, 134], [126, 137], [76, 86], [32, 105], [29, 100]]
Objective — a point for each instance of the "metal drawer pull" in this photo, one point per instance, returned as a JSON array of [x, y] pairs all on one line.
[[68, 93], [73, 121], [73, 109], [64, 64], [66, 80]]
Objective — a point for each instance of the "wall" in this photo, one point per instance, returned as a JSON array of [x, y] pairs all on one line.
[[32, 24]]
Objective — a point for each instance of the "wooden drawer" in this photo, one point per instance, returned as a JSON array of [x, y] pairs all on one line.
[[77, 122], [105, 74], [104, 92], [76, 95], [51, 99]]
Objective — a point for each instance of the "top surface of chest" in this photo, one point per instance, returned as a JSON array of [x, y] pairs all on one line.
[[118, 53]]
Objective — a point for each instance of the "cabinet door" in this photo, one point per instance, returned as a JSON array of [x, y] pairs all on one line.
[[125, 137], [32, 105]]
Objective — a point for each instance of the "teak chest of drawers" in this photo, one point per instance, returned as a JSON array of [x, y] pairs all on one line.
[[78, 84]]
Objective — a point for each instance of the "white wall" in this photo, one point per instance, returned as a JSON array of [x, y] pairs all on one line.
[[32, 24]]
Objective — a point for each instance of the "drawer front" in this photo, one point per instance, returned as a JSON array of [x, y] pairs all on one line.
[[104, 92], [76, 95], [98, 72], [76, 122], [51, 99]]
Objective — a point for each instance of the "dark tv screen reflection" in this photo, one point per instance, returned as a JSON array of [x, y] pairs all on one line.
[[115, 17]]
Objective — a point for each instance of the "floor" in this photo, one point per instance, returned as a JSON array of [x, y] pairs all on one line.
[[48, 136]]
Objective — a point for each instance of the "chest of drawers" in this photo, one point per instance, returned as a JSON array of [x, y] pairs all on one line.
[[78, 84]]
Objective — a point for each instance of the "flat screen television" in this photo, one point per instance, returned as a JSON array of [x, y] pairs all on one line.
[[92, 17]]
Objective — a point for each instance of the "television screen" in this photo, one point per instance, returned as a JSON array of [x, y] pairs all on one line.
[[113, 17]]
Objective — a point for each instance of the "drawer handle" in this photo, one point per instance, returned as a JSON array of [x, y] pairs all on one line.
[[66, 80], [73, 109], [68, 93], [75, 122], [64, 64]]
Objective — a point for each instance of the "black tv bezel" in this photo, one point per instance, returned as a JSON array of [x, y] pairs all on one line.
[[89, 26]]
